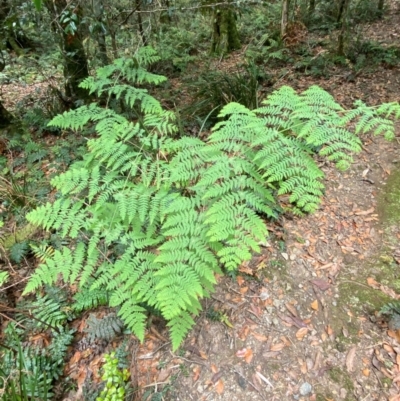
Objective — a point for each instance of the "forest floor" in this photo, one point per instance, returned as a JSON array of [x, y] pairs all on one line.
[[300, 321]]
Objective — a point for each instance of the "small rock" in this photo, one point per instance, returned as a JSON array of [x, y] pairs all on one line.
[[305, 389]]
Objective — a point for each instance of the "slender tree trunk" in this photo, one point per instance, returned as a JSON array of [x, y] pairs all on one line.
[[140, 22], [98, 10], [225, 34], [381, 5], [75, 61], [112, 33], [165, 17], [284, 17], [311, 8], [6, 118], [342, 25]]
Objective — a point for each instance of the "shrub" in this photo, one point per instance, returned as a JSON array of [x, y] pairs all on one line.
[[151, 219]]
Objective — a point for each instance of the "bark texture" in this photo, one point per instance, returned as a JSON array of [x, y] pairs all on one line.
[[225, 33], [75, 61]]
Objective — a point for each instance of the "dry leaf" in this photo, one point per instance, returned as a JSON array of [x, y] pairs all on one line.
[[163, 375], [365, 172], [314, 305], [366, 372], [249, 355], [323, 285], [278, 347], [219, 386], [303, 368], [241, 353], [214, 369], [196, 373], [240, 280], [350, 358], [246, 270], [76, 358], [259, 337], [394, 334], [203, 355], [372, 282], [243, 290], [364, 212], [388, 348], [216, 376], [301, 333], [291, 309], [244, 332], [317, 361]]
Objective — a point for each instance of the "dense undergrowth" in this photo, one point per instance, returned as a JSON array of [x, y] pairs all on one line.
[[127, 212], [145, 219]]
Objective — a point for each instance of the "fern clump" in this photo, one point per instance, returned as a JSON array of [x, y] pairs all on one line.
[[151, 219]]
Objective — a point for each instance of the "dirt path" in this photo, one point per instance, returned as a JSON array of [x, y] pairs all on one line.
[[304, 321]]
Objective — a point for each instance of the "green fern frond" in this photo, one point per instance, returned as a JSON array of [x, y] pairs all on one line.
[[106, 328], [150, 219], [87, 298]]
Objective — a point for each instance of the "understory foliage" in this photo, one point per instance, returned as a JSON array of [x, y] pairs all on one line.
[[150, 219]]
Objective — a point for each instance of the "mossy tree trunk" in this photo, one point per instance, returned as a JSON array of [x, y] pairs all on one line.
[[66, 22], [165, 17], [8, 20], [225, 33]]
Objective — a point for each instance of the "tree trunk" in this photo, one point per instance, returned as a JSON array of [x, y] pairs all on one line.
[[284, 17], [381, 5], [6, 118], [342, 25], [225, 34], [165, 17], [140, 22], [7, 34], [100, 31], [311, 8], [75, 61]]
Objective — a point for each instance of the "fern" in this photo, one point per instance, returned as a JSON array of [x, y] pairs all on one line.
[[88, 298], [105, 328], [47, 312], [151, 219]]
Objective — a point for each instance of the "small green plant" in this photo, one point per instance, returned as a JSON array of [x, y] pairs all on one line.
[[392, 311], [390, 308], [27, 371], [114, 379], [215, 89]]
